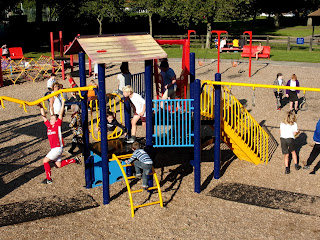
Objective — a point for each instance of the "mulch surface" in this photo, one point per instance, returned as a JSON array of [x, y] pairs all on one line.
[[247, 202]]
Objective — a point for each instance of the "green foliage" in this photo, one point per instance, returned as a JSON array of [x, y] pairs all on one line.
[[297, 31], [100, 9]]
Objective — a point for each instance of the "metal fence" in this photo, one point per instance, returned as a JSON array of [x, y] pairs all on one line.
[[137, 83], [173, 123]]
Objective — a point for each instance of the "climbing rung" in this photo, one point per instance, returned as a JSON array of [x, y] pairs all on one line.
[[140, 190], [146, 204], [132, 177]]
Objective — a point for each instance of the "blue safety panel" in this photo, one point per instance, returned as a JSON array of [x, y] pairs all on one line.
[[114, 171], [173, 123]]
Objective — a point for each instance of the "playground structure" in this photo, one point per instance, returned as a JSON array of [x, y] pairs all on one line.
[[239, 129]]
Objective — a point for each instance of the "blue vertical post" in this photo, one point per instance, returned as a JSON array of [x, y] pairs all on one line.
[[197, 136], [149, 124], [84, 121], [192, 73], [127, 122], [217, 127], [104, 133]]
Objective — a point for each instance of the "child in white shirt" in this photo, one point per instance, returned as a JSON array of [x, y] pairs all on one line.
[[140, 113], [288, 132]]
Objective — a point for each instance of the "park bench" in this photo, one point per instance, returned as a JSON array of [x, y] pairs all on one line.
[[15, 53], [265, 53], [231, 49]]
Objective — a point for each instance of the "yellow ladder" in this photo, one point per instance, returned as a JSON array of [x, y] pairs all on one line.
[[130, 192]]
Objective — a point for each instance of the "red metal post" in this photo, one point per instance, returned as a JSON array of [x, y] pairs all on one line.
[[250, 34], [62, 70], [52, 50], [1, 77], [71, 59], [219, 33], [61, 43], [90, 67]]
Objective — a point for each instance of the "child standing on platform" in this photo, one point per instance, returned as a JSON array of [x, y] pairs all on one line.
[[124, 77], [51, 81], [288, 131], [142, 161], [140, 110], [293, 94], [56, 143]]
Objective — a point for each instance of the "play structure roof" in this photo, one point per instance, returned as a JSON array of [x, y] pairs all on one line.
[[315, 13], [120, 48]]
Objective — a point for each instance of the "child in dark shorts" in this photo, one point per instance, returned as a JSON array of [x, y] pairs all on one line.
[[292, 94], [288, 131]]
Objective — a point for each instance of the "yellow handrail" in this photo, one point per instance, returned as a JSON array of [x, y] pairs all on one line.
[[237, 118], [113, 99], [41, 100], [261, 86]]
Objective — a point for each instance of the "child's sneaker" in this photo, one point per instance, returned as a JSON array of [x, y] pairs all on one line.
[[287, 171], [297, 167], [77, 160], [145, 187], [139, 175], [131, 140], [46, 181], [306, 167]]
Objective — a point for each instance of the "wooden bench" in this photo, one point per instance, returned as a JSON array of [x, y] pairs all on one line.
[[265, 53]]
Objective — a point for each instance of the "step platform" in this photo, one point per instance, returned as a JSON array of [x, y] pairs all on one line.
[[118, 147]]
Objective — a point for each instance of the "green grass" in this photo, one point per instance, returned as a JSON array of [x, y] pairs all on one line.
[[299, 55], [36, 55], [297, 31]]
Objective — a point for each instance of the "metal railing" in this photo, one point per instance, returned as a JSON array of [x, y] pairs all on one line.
[[137, 83], [173, 123], [238, 119]]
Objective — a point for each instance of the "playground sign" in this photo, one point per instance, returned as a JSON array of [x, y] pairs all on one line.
[[300, 40]]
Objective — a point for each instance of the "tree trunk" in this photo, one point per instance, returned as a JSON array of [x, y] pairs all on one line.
[[39, 6], [100, 25], [150, 23], [208, 38], [277, 20]]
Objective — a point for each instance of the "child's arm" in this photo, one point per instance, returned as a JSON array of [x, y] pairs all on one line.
[[143, 110], [43, 113], [62, 109], [133, 157], [120, 126]]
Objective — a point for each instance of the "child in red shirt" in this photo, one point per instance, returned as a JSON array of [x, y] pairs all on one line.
[[56, 143]]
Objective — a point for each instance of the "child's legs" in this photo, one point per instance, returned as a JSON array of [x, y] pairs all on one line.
[[286, 160], [296, 105], [137, 167], [294, 157], [314, 154], [134, 121], [291, 105]]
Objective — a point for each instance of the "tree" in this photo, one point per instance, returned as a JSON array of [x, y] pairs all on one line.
[[101, 9], [210, 11], [151, 7]]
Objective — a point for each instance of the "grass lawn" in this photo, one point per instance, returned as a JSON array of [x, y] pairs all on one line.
[[298, 55], [297, 31]]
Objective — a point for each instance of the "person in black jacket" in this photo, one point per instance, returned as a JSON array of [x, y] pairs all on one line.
[[112, 123]]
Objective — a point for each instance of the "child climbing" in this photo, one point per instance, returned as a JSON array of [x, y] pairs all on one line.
[[77, 131], [140, 110], [56, 143], [141, 161]]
